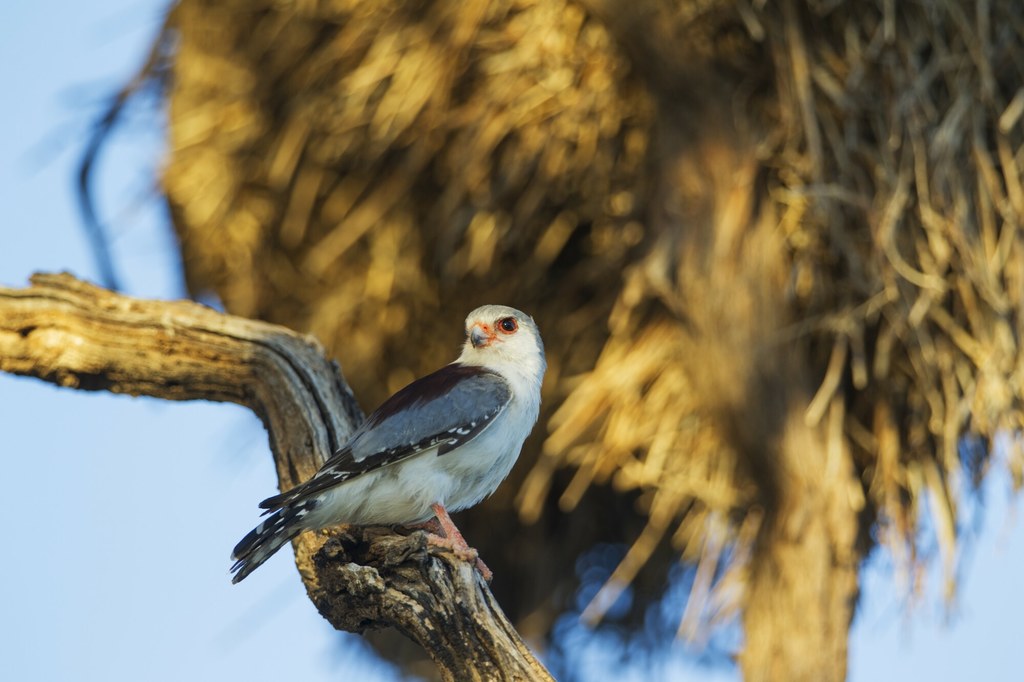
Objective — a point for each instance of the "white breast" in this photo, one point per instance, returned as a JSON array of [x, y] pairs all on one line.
[[479, 467]]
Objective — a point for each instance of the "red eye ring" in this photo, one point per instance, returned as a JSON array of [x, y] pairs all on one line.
[[508, 325]]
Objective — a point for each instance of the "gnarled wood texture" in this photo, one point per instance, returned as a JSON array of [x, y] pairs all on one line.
[[77, 335]]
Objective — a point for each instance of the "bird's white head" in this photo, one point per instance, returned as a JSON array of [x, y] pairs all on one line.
[[504, 339]]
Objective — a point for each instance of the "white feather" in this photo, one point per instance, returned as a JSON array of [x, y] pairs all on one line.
[[404, 492]]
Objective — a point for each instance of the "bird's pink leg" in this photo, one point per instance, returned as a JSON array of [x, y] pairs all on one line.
[[448, 527], [454, 541]]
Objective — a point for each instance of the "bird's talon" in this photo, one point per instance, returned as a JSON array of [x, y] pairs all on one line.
[[461, 552], [485, 572]]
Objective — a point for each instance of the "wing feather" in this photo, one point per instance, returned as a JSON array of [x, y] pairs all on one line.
[[441, 411]]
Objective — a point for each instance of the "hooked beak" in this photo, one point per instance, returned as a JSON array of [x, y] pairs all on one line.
[[479, 336]]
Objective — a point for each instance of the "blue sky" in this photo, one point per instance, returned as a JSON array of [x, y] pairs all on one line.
[[121, 511]]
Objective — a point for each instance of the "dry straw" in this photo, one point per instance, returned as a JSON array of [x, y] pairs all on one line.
[[719, 212]]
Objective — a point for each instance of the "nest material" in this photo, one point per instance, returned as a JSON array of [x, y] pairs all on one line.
[[715, 211], [891, 170], [311, 187]]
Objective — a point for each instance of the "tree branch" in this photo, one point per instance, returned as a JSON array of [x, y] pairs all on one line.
[[77, 335]]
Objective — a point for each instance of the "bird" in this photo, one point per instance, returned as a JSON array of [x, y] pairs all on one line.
[[441, 444]]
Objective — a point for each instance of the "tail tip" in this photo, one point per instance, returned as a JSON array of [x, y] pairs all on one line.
[[239, 570]]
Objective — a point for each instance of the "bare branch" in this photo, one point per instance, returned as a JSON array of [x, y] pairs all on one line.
[[75, 334]]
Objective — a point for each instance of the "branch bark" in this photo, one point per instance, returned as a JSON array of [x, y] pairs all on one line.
[[78, 335]]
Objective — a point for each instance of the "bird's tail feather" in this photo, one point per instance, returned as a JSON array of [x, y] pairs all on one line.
[[265, 539]]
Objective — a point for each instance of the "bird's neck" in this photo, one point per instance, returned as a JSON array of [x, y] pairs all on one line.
[[525, 373]]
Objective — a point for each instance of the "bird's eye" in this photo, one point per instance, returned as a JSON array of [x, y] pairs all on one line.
[[508, 324]]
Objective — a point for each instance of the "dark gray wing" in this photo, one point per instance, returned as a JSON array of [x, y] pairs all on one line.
[[445, 409]]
